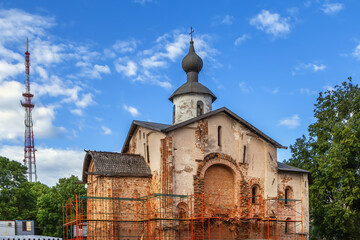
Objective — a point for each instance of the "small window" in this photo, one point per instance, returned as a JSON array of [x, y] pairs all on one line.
[[147, 154], [200, 108], [255, 194], [244, 154], [143, 135], [24, 226], [28, 226], [145, 151], [287, 225], [219, 136], [174, 107], [288, 194], [139, 134]]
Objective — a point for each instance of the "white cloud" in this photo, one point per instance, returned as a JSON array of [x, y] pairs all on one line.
[[12, 115], [96, 71], [355, 53], [329, 88], [43, 118], [307, 91], [241, 39], [228, 19], [290, 122], [152, 62], [223, 20], [332, 8], [245, 88], [46, 53], [132, 110], [16, 25], [86, 100], [318, 67], [271, 23], [78, 112], [143, 65], [274, 91], [51, 163], [129, 69], [309, 67], [125, 46], [142, 2], [8, 70], [106, 130]]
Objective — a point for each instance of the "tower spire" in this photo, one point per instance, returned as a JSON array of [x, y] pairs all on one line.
[[29, 147], [191, 99]]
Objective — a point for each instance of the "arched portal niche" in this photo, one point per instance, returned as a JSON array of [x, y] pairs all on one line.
[[219, 184]]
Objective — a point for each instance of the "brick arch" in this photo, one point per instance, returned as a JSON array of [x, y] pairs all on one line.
[[214, 159], [219, 158]]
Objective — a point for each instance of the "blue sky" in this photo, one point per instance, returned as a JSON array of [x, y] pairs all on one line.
[[96, 66]]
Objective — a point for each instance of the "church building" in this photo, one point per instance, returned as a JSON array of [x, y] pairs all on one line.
[[208, 175]]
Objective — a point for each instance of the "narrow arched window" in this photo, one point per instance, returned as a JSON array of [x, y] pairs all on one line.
[[174, 113], [255, 194], [139, 134], [199, 108], [244, 154], [147, 153], [219, 136], [288, 194], [288, 225]]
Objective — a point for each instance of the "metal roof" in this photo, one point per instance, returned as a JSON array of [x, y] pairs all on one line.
[[168, 128], [151, 125], [192, 87], [115, 164], [288, 168]]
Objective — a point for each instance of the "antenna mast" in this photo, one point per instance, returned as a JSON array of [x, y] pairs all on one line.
[[29, 149]]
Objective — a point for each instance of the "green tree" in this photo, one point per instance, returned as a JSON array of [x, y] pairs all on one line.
[[50, 205], [16, 201], [332, 154]]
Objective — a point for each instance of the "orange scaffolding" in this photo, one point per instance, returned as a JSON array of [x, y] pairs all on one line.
[[167, 216]]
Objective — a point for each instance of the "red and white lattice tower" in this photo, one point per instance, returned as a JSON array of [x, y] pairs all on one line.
[[29, 149]]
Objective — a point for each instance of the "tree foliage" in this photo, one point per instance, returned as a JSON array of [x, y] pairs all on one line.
[[20, 199], [50, 205], [16, 201], [332, 154]]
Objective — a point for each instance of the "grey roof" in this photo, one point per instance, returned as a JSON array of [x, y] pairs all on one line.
[[192, 87], [168, 128], [288, 168], [152, 125], [115, 164]]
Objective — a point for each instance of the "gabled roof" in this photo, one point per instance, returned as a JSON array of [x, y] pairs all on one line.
[[149, 125], [115, 165], [288, 168], [168, 128]]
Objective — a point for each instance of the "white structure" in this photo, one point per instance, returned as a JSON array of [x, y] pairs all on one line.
[[7, 228]]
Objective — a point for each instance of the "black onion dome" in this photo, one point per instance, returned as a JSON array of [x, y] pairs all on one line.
[[192, 62], [192, 65]]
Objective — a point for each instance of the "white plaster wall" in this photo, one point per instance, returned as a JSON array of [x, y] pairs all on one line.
[[185, 165], [300, 185], [152, 139], [185, 106]]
